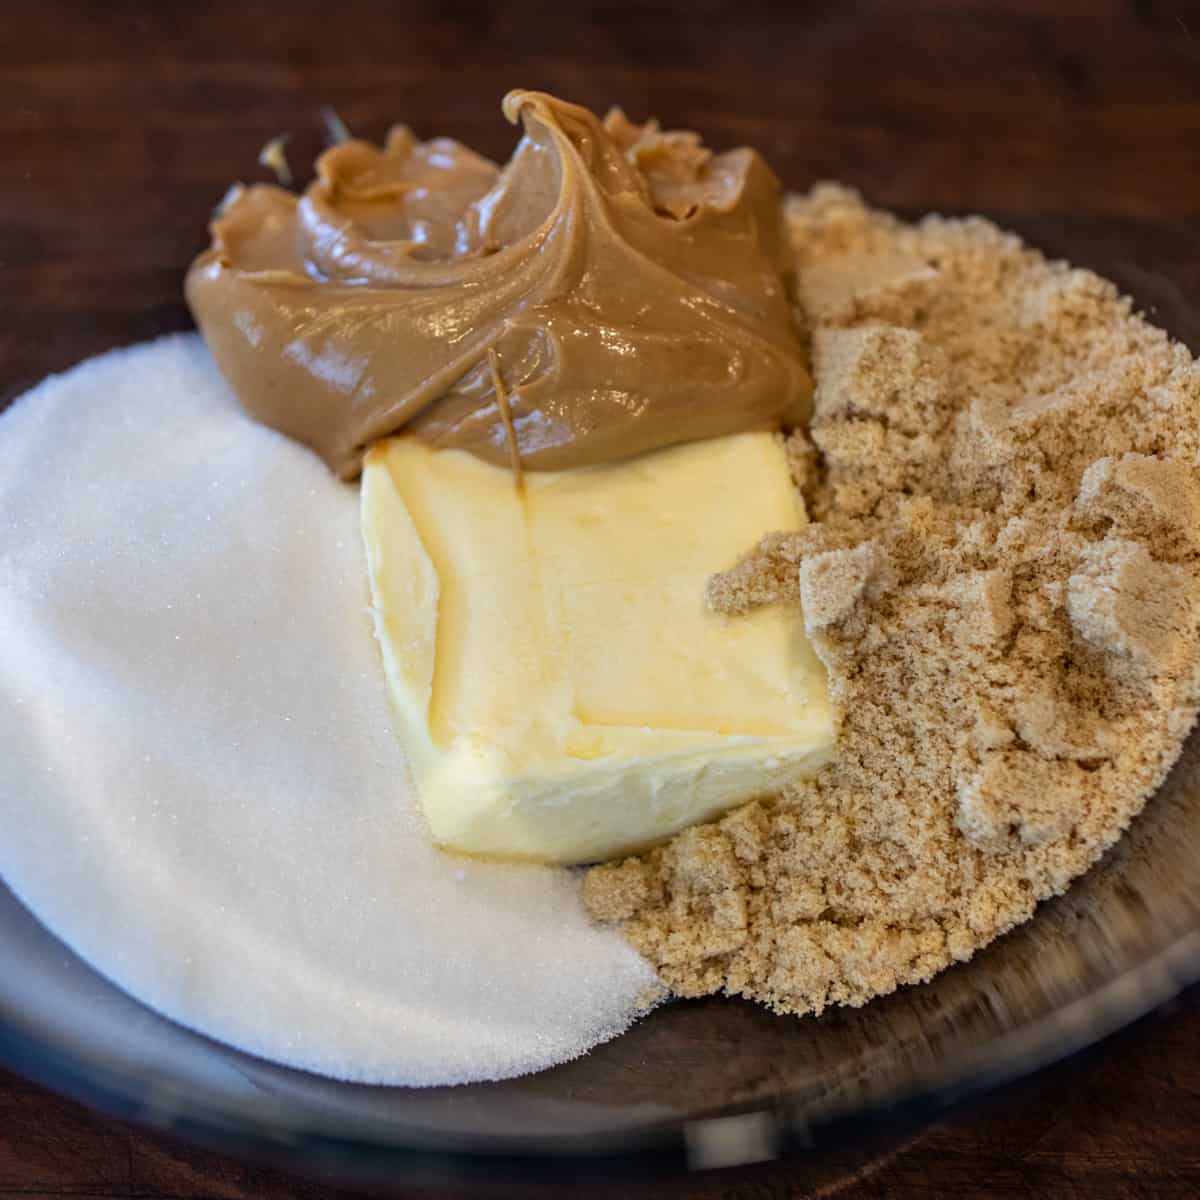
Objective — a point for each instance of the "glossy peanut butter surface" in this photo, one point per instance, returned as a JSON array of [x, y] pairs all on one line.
[[612, 289]]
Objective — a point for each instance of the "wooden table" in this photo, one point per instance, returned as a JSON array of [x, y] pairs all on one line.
[[121, 125]]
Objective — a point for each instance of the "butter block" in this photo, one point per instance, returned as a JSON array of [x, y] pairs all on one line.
[[562, 691]]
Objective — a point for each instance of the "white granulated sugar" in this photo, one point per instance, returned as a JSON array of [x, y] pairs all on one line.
[[200, 789]]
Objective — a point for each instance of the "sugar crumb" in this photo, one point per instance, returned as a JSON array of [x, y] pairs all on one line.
[[1002, 576]]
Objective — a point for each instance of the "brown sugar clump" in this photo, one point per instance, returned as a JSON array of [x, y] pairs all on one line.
[[1135, 611], [1002, 577], [1152, 500]]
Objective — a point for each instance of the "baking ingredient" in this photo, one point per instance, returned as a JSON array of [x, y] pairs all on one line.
[[1002, 579], [561, 689], [200, 789], [198, 774], [616, 287]]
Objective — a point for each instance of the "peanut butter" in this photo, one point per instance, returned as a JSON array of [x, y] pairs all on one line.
[[613, 289]]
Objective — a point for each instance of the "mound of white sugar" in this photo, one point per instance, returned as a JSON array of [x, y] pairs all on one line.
[[200, 789]]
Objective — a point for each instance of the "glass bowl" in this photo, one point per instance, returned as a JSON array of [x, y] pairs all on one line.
[[697, 1084]]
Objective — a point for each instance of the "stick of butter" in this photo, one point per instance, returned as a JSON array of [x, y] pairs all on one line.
[[562, 691]]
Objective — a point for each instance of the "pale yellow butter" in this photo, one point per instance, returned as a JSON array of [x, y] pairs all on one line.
[[562, 691]]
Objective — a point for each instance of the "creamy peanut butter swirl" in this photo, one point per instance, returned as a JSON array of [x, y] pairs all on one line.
[[616, 288]]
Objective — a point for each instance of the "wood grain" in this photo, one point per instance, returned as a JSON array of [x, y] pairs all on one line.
[[121, 125]]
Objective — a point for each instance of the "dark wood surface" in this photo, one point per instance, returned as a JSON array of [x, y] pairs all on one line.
[[120, 126]]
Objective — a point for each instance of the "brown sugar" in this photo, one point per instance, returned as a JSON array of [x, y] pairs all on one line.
[[1002, 577]]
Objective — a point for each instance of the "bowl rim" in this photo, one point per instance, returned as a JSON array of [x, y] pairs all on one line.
[[733, 1135]]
